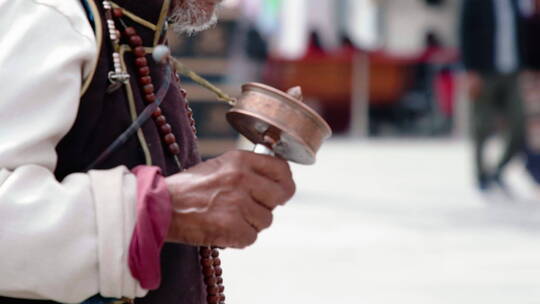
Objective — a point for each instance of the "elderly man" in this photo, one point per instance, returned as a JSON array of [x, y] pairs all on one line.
[[81, 221]]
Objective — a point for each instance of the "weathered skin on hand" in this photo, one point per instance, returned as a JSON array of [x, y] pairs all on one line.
[[228, 200]]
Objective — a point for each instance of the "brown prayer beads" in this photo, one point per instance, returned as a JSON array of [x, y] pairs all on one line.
[[212, 275], [147, 89], [209, 256]]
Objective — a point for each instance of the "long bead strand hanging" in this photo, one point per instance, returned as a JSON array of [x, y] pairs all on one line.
[[212, 272], [189, 112], [147, 89], [209, 256]]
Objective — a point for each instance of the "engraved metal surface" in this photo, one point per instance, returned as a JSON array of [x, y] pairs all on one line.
[[297, 130]]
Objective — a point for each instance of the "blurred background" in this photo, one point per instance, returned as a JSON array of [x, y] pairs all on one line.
[[427, 192]]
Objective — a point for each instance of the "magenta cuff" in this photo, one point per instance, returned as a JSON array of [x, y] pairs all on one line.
[[153, 219]]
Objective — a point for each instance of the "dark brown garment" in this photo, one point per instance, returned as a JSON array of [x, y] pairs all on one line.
[[532, 43], [103, 117]]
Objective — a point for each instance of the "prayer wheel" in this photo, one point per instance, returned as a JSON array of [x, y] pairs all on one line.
[[279, 123]]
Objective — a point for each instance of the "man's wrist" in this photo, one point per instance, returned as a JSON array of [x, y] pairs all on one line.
[[154, 212]]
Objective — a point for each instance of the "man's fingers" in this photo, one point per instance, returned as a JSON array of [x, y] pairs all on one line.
[[257, 215], [275, 169], [267, 192], [269, 166], [243, 235]]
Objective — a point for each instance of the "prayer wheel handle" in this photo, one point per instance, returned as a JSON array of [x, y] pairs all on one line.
[[279, 123]]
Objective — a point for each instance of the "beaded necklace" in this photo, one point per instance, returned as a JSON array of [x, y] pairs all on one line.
[[209, 256]]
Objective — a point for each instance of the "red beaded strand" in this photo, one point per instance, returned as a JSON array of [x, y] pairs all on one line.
[[189, 112], [212, 272], [209, 256], [148, 89]]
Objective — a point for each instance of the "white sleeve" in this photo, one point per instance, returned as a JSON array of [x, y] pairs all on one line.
[[63, 241]]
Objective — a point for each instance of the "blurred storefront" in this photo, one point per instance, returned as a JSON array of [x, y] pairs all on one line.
[[370, 67]]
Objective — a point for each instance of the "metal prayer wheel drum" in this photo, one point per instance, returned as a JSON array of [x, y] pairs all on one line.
[[279, 121]]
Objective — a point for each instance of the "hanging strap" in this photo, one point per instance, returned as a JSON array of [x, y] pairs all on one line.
[[137, 124]]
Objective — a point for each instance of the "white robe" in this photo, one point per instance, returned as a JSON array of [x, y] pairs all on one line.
[[69, 240]]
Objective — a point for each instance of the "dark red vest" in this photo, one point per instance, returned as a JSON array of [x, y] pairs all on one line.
[[102, 117]]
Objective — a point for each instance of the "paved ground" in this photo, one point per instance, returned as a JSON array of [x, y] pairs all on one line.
[[393, 222]]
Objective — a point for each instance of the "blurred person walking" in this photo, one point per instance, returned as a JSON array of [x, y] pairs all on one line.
[[492, 54], [531, 41], [530, 85]]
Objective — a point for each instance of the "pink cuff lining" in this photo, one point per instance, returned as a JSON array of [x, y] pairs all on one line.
[[153, 219]]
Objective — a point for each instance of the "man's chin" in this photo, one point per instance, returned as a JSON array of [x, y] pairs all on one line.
[[192, 16], [191, 29]]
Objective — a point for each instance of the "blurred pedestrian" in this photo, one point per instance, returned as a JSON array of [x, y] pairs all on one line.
[[492, 54], [530, 85], [530, 38]]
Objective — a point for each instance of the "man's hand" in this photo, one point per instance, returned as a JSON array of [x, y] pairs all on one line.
[[228, 200]]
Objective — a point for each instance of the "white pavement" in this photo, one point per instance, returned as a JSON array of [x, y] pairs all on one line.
[[393, 222]]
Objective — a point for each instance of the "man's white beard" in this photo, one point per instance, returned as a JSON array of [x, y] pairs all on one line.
[[190, 17]]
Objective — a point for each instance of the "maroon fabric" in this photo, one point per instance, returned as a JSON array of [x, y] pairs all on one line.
[[153, 219], [102, 117]]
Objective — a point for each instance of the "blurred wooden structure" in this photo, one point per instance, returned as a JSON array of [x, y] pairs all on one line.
[[330, 80], [207, 54], [355, 82]]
